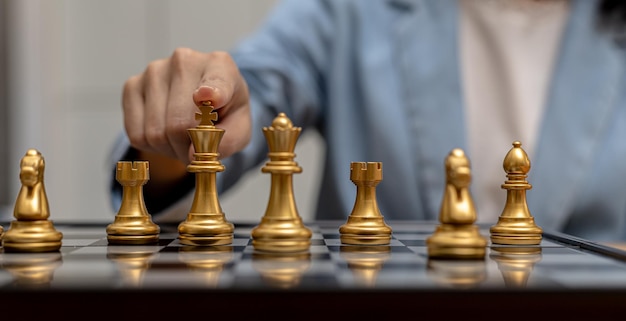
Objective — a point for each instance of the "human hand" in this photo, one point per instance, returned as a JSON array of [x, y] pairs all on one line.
[[160, 104]]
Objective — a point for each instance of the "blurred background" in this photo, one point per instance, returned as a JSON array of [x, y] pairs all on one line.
[[63, 64]]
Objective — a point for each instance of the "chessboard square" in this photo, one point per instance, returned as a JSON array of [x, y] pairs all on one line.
[[100, 242], [414, 242], [134, 249], [237, 235], [81, 242], [318, 256], [329, 231], [317, 236], [241, 241], [411, 227], [411, 236], [331, 236], [401, 249], [318, 248]]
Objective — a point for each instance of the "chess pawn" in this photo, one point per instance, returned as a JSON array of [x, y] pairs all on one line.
[[365, 262], [515, 263], [365, 224], [516, 226], [133, 224], [457, 236], [281, 228], [206, 224], [32, 231]]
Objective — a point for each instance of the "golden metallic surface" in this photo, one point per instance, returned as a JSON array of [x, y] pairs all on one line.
[[32, 231], [365, 261], [457, 274], [516, 263], [516, 225], [281, 270], [32, 270], [206, 261], [133, 224], [132, 261], [206, 224], [365, 224], [456, 241], [281, 228], [457, 236]]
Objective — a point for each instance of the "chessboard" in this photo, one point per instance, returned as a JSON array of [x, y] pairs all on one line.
[[563, 272]]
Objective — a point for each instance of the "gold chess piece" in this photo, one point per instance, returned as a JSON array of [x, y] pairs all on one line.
[[206, 224], [516, 226], [281, 228], [516, 264], [32, 231], [132, 261], [457, 236], [206, 261], [133, 224], [365, 225], [365, 262]]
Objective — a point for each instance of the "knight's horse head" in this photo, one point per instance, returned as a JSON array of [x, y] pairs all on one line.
[[458, 172], [31, 168]]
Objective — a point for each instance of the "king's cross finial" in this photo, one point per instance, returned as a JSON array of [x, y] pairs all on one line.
[[207, 116]]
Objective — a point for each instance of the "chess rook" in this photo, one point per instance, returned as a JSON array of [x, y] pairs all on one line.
[[205, 223], [516, 225], [133, 224], [365, 224], [457, 236], [31, 231], [281, 228]]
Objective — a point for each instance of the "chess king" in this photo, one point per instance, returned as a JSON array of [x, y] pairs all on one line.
[[32, 231], [206, 224]]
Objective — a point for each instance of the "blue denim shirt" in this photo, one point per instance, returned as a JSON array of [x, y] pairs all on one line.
[[380, 80]]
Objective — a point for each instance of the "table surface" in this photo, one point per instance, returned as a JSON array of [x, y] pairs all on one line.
[[562, 270]]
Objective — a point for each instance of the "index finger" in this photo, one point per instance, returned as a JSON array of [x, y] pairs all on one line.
[[218, 81]]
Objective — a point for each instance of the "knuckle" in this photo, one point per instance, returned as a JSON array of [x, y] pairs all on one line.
[[177, 127], [220, 56], [154, 69], [136, 140], [156, 138], [181, 58]]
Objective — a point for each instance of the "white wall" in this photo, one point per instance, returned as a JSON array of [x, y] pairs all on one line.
[[69, 60]]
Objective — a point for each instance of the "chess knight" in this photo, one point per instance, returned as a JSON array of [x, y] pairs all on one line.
[[32, 202], [457, 236], [32, 231]]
